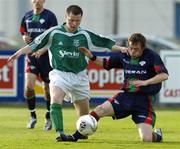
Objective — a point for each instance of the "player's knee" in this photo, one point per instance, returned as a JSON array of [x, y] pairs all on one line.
[[100, 110], [56, 99], [29, 84]]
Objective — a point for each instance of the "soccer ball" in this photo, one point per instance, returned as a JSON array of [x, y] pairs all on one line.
[[86, 125]]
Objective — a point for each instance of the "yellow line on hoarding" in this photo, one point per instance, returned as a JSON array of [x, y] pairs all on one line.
[[6, 93]]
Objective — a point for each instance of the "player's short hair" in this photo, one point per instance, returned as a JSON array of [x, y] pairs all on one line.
[[137, 38], [74, 9]]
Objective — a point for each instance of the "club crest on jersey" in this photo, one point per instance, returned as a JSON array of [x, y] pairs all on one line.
[[41, 21], [76, 43], [142, 63]]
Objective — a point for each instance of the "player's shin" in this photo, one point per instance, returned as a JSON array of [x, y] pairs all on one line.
[[31, 101], [94, 114]]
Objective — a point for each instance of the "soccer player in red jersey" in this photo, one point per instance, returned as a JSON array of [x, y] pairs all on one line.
[[33, 24], [144, 72]]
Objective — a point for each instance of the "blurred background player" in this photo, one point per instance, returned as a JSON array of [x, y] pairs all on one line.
[[33, 24], [69, 74], [143, 73]]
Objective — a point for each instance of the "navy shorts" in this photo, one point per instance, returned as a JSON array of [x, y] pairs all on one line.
[[139, 106], [39, 66]]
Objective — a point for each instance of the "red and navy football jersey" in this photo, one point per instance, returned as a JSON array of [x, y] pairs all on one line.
[[34, 25], [143, 68]]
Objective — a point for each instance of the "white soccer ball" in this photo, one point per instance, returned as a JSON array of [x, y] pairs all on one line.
[[86, 125]]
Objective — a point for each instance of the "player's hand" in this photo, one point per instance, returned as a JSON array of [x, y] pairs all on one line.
[[138, 83], [27, 39], [38, 53], [12, 58], [120, 49], [125, 50], [86, 52]]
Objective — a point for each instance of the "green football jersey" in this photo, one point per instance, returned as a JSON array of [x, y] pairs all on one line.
[[63, 47]]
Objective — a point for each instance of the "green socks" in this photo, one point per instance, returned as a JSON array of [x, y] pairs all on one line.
[[57, 117]]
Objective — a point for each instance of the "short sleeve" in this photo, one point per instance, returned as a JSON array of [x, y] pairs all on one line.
[[158, 65], [22, 28], [52, 21]]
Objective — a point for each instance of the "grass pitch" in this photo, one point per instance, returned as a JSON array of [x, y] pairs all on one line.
[[120, 134]]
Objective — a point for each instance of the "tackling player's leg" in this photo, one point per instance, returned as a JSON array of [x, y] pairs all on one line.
[[145, 119], [148, 135]]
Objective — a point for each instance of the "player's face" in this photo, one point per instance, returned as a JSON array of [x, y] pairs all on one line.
[[135, 50], [73, 22], [38, 4]]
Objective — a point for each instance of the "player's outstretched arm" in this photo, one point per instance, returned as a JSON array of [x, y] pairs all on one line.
[[88, 53], [24, 50]]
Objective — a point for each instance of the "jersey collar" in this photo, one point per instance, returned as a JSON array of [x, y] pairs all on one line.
[[63, 28]]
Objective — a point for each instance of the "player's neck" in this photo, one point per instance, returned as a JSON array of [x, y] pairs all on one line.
[[67, 29], [38, 11]]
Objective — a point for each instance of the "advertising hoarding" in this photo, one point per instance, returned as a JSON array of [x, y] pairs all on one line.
[[8, 78], [170, 92]]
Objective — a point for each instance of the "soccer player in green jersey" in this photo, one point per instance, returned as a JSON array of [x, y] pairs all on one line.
[[69, 75]]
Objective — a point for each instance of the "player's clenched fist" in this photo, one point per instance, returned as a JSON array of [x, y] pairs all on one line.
[[86, 52]]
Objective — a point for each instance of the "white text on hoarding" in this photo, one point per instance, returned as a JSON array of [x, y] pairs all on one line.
[[172, 93], [104, 76], [4, 73]]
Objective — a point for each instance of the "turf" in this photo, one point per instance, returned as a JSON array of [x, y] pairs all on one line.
[[120, 134]]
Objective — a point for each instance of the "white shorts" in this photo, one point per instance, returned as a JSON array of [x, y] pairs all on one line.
[[76, 86]]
